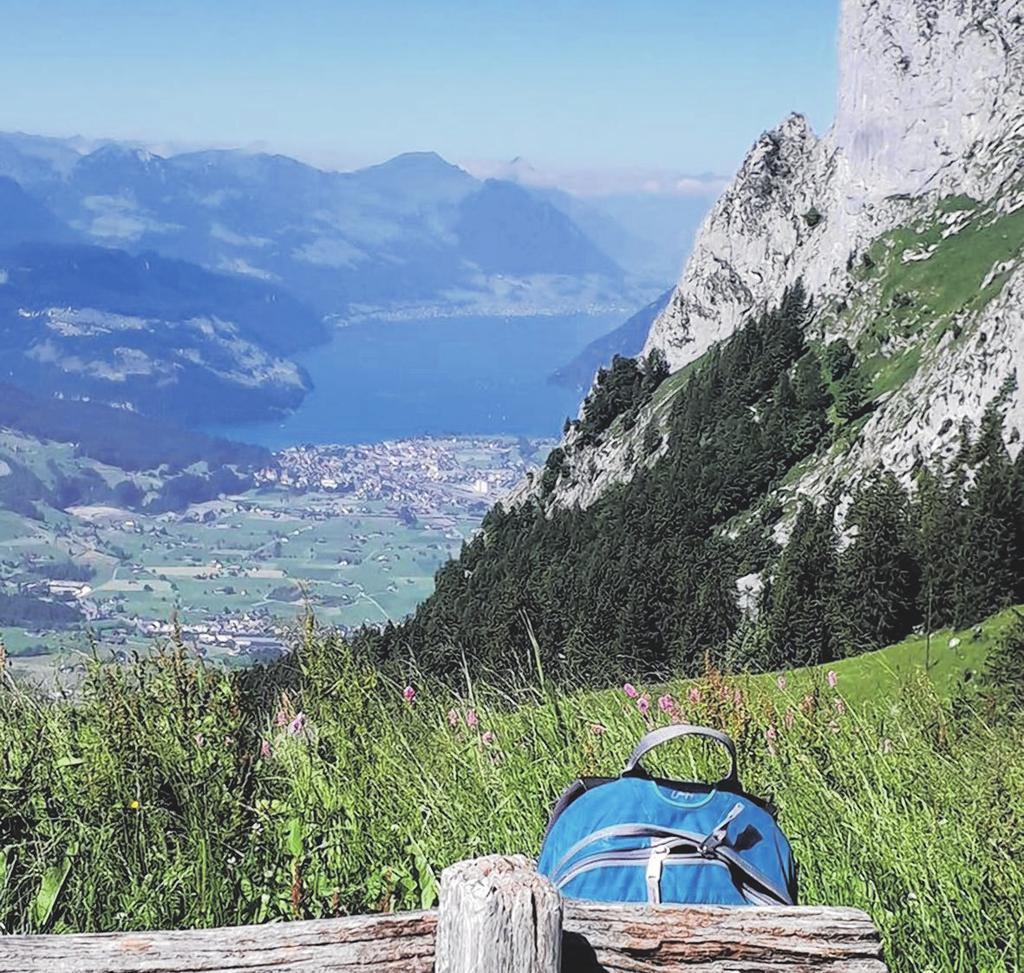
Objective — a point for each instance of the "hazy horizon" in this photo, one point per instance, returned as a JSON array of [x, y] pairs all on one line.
[[648, 96]]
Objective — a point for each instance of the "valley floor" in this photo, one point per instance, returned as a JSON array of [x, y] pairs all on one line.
[[353, 533]]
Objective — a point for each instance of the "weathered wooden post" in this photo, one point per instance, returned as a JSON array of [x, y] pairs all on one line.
[[498, 915]]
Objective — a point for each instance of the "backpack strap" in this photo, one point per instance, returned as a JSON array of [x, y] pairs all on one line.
[[657, 737]]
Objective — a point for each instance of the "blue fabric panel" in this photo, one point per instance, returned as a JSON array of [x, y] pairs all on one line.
[[753, 834]]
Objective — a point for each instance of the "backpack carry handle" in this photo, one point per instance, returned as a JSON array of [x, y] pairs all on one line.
[[657, 737]]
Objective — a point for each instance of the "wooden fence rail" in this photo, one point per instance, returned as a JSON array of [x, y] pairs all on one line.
[[496, 915]]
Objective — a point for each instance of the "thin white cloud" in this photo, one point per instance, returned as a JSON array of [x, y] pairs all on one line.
[[600, 182]]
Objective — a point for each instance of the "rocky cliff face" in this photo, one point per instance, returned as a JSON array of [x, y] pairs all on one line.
[[931, 107], [930, 103], [929, 97]]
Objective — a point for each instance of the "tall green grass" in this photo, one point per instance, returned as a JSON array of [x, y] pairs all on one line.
[[172, 794]]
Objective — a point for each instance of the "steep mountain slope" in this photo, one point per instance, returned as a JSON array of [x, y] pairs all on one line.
[[508, 230], [23, 218], [627, 339], [853, 302], [413, 233], [648, 234], [921, 171]]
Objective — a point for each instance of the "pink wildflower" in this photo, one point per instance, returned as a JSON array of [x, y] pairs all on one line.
[[266, 751], [737, 697], [297, 725], [453, 717], [781, 683], [789, 719], [807, 704], [694, 695], [471, 718], [644, 705], [281, 719], [770, 733], [488, 738], [630, 690], [832, 678], [597, 729], [840, 705], [666, 703], [834, 726], [408, 694]]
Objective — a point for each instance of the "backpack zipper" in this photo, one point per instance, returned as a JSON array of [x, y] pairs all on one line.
[[634, 858], [655, 864], [718, 834]]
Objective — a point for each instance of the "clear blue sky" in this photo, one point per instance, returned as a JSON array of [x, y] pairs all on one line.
[[684, 85]]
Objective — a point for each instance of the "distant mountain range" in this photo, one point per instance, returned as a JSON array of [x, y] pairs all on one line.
[[180, 288], [414, 234], [153, 335]]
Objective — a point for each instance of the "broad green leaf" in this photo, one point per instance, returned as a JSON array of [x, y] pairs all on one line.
[[295, 843], [49, 891]]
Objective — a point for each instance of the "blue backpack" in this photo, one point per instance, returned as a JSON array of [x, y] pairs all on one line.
[[638, 838]]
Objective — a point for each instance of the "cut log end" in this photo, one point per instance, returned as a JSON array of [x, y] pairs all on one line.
[[498, 914]]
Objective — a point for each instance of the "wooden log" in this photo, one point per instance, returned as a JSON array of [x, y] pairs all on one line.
[[711, 939], [402, 943], [497, 915]]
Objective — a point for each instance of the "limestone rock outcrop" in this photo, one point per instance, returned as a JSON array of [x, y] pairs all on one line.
[[930, 108]]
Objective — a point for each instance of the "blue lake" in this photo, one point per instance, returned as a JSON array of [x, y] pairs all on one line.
[[440, 376]]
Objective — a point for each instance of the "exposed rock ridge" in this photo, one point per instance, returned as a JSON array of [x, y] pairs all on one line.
[[930, 101], [931, 104]]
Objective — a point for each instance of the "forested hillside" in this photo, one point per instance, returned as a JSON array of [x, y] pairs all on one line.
[[645, 579]]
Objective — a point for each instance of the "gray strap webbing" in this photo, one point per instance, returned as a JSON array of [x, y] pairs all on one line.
[[673, 837], [754, 874], [621, 831], [634, 856], [657, 737]]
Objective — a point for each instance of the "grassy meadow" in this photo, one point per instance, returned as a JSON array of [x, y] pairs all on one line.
[[172, 794]]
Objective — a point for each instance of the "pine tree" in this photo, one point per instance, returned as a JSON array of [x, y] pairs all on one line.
[[879, 577], [798, 627], [812, 401], [655, 369], [987, 577], [851, 396], [838, 359], [938, 521], [713, 615], [1018, 487]]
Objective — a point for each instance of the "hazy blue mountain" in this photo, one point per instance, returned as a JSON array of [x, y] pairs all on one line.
[[627, 340], [416, 176], [24, 218], [158, 336], [414, 234], [503, 228], [36, 159], [649, 232]]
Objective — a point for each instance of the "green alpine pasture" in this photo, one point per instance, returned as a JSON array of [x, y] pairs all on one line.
[[170, 793]]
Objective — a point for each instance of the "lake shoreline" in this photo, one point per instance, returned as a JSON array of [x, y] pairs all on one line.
[[460, 376]]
